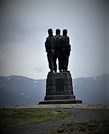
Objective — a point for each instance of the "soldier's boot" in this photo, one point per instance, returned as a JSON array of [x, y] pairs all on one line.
[[51, 71], [60, 70], [55, 71]]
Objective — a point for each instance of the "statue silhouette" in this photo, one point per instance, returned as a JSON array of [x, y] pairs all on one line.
[[64, 49], [57, 47], [49, 46], [57, 36]]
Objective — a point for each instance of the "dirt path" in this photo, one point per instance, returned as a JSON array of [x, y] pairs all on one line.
[[35, 129], [83, 114], [76, 114]]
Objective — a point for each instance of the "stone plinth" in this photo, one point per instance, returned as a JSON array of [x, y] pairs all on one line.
[[59, 89]]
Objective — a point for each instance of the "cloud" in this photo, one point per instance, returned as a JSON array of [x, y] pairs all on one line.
[[24, 26]]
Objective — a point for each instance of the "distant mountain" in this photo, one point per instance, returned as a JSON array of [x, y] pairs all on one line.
[[93, 90], [19, 90]]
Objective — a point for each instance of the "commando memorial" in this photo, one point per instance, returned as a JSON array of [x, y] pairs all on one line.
[[59, 85]]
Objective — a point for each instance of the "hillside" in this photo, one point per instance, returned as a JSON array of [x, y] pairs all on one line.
[[19, 90], [94, 90]]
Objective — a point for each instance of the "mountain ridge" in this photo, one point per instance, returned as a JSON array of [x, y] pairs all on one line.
[[21, 90]]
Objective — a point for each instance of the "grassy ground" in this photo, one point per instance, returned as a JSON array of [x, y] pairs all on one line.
[[10, 118], [104, 112], [85, 127]]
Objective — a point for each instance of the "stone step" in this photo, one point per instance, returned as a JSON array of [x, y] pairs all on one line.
[[67, 101], [59, 97]]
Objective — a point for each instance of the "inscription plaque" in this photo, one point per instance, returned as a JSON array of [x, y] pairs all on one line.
[[59, 84]]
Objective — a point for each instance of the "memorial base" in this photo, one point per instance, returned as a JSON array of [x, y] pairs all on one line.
[[59, 89], [60, 102]]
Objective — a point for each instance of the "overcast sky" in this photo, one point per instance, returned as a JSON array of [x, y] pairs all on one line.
[[23, 30]]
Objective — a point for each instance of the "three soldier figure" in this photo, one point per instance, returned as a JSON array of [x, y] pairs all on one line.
[[58, 47]]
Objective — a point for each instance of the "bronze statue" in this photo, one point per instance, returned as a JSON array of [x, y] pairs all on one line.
[[57, 36], [57, 47], [49, 45], [64, 49]]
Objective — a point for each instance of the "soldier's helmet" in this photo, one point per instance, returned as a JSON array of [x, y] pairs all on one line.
[[57, 31], [50, 31], [65, 32]]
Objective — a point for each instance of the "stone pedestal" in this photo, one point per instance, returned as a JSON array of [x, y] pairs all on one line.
[[59, 89]]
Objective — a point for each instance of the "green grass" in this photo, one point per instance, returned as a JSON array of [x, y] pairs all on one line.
[[104, 112], [10, 118], [85, 127]]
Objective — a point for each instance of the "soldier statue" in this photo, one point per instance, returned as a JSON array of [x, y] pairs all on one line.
[[50, 49], [57, 36], [57, 47], [64, 49]]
